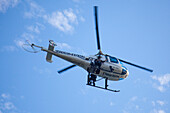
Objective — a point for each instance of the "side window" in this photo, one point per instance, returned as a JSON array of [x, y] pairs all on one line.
[[113, 59]]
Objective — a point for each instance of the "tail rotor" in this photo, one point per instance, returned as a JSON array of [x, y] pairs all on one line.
[[27, 46]]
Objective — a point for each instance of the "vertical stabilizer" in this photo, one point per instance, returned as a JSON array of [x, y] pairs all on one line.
[[51, 48]]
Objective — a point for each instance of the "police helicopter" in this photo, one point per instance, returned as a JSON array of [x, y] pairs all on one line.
[[99, 65]]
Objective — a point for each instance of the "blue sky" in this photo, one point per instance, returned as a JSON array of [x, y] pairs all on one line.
[[133, 30]]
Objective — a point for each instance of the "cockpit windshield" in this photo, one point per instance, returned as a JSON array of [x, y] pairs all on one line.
[[113, 59], [122, 65]]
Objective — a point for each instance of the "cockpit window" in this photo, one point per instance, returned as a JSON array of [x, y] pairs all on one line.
[[113, 59], [122, 65]]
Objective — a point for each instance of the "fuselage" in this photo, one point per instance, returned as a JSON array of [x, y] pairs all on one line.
[[110, 68]]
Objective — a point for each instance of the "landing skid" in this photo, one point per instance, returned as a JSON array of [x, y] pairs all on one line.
[[92, 79], [104, 88]]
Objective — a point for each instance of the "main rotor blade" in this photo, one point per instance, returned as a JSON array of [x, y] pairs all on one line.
[[65, 69], [150, 70], [97, 29]]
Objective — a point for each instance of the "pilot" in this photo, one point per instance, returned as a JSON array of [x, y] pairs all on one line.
[[98, 64]]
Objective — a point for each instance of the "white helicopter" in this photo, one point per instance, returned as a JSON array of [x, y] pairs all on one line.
[[99, 65]]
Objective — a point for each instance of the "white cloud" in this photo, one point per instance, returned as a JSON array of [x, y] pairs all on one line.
[[124, 111], [58, 20], [157, 111], [6, 105], [160, 88], [19, 42], [134, 98], [5, 4], [26, 45], [161, 111], [63, 46], [71, 16], [132, 105], [33, 29], [82, 19], [160, 102], [5, 96], [42, 71], [9, 106], [163, 80], [62, 21], [137, 107], [112, 104], [9, 48], [35, 11], [28, 36]]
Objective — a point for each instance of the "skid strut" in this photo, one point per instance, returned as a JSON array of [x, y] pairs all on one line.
[[106, 83], [88, 79]]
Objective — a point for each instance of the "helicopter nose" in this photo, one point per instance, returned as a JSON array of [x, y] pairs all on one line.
[[127, 72]]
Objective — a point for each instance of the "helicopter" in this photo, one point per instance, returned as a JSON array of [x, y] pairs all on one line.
[[99, 65]]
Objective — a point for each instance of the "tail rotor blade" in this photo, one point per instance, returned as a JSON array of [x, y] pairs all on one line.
[[144, 68], [67, 68]]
